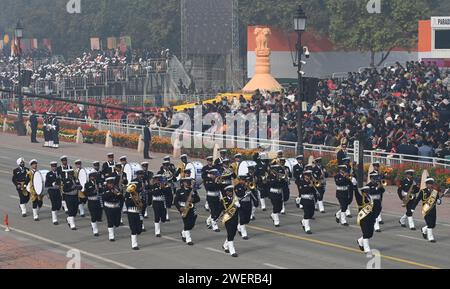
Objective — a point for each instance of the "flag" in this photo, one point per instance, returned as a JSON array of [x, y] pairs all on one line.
[[6, 220], [47, 43], [15, 48]]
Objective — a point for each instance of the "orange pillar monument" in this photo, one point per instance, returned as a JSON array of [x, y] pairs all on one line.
[[262, 80]]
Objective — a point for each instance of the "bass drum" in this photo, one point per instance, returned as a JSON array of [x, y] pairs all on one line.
[[131, 169], [83, 176], [39, 182], [196, 171], [291, 163], [243, 167]]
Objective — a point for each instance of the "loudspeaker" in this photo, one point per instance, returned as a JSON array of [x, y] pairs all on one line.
[[310, 87]]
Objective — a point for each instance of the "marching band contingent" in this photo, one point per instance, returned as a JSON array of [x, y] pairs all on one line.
[[234, 190]]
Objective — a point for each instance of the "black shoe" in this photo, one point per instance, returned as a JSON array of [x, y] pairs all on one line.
[[381, 222], [112, 240], [277, 226], [145, 217], [378, 231], [424, 236], [245, 238], [209, 227], [158, 236], [360, 247], [413, 229], [24, 215], [252, 218], [234, 255], [191, 243], [349, 216], [96, 235], [240, 234], [82, 216], [74, 229], [433, 241], [36, 220], [264, 210], [168, 220], [337, 220], [183, 238], [402, 225], [136, 248], [323, 212], [217, 230], [144, 230], [345, 225], [56, 223], [283, 213], [226, 250], [309, 233]]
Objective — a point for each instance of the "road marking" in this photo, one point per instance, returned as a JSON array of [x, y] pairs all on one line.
[[106, 260], [171, 239], [328, 244], [334, 245], [214, 250], [273, 266], [413, 238], [5, 172]]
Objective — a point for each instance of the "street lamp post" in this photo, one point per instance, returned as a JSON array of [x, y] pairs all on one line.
[[20, 127], [299, 27]]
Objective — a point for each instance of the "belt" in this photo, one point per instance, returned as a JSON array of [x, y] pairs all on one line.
[[344, 188], [375, 197], [93, 198], [246, 199], [276, 191], [133, 210], [112, 205], [226, 182], [308, 197], [160, 198], [213, 194], [71, 193]]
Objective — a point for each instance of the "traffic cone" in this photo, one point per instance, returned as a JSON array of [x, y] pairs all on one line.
[[108, 140], [140, 148], [5, 125], [7, 223]]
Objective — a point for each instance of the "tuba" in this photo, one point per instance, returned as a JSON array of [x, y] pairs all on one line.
[[429, 202], [132, 189], [229, 211]]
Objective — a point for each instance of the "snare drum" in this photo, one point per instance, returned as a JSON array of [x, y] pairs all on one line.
[[196, 172], [83, 176], [243, 167], [131, 169]]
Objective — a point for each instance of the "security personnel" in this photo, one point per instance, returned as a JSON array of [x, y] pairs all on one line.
[[276, 192], [306, 198], [92, 192], [354, 185], [213, 198], [157, 192], [53, 185], [55, 131], [20, 181], [430, 199], [248, 197], [407, 192], [134, 205], [320, 174], [108, 166], [71, 186], [231, 206], [185, 200], [112, 197], [376, 193], [46, 129], [343, 185], [34, 126], [366, 217], [342, 154]]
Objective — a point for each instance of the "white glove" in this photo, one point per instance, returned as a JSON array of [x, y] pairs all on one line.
[[298, 200], [354, 182], [237, 205], [439, 202]]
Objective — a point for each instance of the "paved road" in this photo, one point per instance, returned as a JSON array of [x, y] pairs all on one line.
[[331, 246]]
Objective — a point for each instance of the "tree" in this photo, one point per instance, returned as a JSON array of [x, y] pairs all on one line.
[[351, 26]]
